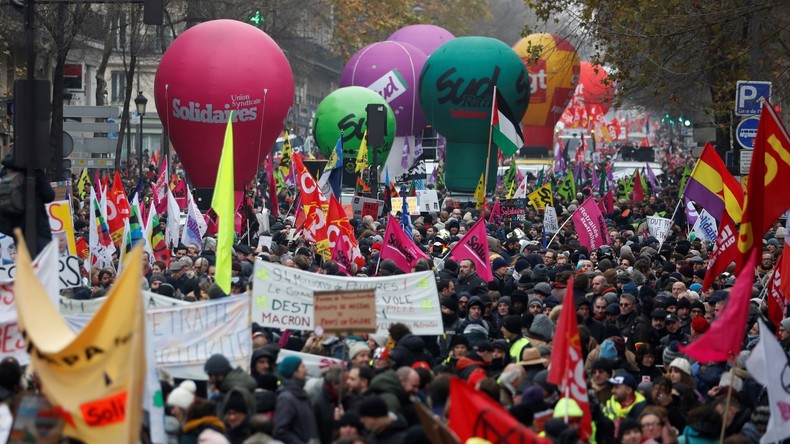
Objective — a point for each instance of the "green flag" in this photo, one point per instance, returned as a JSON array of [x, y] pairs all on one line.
[[686, 174], [567, 188], [603, 183], [511, 175], [541, 177]]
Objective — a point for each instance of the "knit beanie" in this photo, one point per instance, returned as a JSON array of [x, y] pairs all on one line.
[[373, 407], [183, 395], [217, 365], [358, 348], [542, 327], [236, 402], [288, 366], [607, 351]]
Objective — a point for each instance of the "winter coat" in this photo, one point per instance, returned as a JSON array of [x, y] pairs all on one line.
[[634, 327], [472, 283], [388, 387], [408, 350], [294, 420], [238, 378]]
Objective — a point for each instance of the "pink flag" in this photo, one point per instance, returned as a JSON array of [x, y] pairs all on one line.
[[474, 246], [724, 338], [160, 188], [608, 200], [180, 193], [590, 225], [398, 247], [340, 255], [496, 214]]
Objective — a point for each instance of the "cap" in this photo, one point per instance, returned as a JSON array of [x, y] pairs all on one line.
[[623, 377], [658, 313], [697, 259], [672, 317], [681, 364]]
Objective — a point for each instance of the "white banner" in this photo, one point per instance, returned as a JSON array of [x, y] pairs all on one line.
[[282, 297], [88, 306], [185, 336], [658, 227], [68, 272], [706, 227], [550, 223], [316, 365]]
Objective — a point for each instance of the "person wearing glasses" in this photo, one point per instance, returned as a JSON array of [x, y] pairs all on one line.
[[632, 325]]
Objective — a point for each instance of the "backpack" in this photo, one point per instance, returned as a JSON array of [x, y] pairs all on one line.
[[12, 194]]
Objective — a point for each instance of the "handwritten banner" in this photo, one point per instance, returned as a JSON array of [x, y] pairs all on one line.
[[185, 336], [397, 204], [513, 209], [658, 227], [282, 297], [345, 311], [88, 306]]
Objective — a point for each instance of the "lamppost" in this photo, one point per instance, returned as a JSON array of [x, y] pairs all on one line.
[[140, 101]]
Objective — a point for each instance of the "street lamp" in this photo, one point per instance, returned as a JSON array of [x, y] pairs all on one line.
[[140, 101]]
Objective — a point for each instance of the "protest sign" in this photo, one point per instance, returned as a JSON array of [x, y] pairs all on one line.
[[658, 227], [282, 297], [316, 364], [185, 336], [265, 241], [397, 204], [514, 209], [345, 311], [68, 272], [62, 226], [428, 201], [705, 228], [366, 206], [550, 223]]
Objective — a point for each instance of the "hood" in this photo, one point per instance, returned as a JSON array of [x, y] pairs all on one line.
[[262, 353], [388, 382], [472, 359], [412, 343], [249, 400]]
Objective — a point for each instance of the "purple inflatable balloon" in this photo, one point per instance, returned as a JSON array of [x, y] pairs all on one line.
[[425, 37], [392, 69]]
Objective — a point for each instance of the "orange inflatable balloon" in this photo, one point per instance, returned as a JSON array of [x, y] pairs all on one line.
[[554, 76], [592, 87]]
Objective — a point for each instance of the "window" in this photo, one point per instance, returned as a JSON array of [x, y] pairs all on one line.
[[118, 86]]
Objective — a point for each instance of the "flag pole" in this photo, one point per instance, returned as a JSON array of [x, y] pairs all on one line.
[[488, 154], [570, 216], [676, 209], [726, 407]]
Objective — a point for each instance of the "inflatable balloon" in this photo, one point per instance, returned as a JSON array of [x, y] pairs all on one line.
[[593, 89], [554, 77], [210, 70], [456, 92], [345, 110], [392, 69], [428, 38]]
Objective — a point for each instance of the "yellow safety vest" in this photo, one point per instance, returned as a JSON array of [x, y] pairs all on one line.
[[614, 411], [516, 349]]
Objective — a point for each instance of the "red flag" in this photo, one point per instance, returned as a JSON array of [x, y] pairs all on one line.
[[784, 267], [496, 214], [274, 206], [567, 363], [315, 207], [473, 414], [602, 206], [777, 306], [639, 192], [118, 209], [771, 168], [724, 250], [398, 247], [724, 339], [160, 188], [340, 255], [340, 229], [82, 248], [474, 246]]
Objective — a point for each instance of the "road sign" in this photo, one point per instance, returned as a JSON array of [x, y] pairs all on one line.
[[749, 95], [745, 162], [747, 131]]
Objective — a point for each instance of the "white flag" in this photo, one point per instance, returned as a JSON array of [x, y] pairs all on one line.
[[173, 220], [768, 365], [192, 233], [521, 191], [705, 228]]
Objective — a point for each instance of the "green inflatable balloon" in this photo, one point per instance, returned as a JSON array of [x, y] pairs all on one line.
[[345, 110], [456, 94]]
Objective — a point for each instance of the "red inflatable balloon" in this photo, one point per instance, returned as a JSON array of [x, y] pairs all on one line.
[[212, 69], [593, 89]]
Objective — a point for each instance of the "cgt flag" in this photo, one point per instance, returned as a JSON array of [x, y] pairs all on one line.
[[474, 246], [95, 379], [768, 364], [771, 161], [724, 251], [398, 247], [590, 225]]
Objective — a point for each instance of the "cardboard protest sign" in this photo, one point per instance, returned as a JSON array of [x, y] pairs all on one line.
[[282, 297], [397, 204], [428, 201], [345, 311], [366, 206], [550, 223], [658, 227]]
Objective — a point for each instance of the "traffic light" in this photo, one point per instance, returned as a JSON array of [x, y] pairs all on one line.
[[687, 123], [257, 18]]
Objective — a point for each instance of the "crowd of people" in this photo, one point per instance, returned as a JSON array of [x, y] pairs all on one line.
[[637, 301]]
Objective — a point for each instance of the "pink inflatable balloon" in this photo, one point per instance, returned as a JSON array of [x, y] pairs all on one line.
[[212, 69], [427, 38]]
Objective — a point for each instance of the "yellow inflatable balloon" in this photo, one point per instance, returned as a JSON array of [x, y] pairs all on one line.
[[554, 76]]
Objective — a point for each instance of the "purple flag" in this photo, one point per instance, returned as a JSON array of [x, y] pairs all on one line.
[[651, 177], [691, 213], [559, 161], [417, 148], [610, 177], [404, 159], [596, 183]]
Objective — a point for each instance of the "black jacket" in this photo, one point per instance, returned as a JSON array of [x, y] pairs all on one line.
[[44, 195], [294, 419], [408, 350]]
